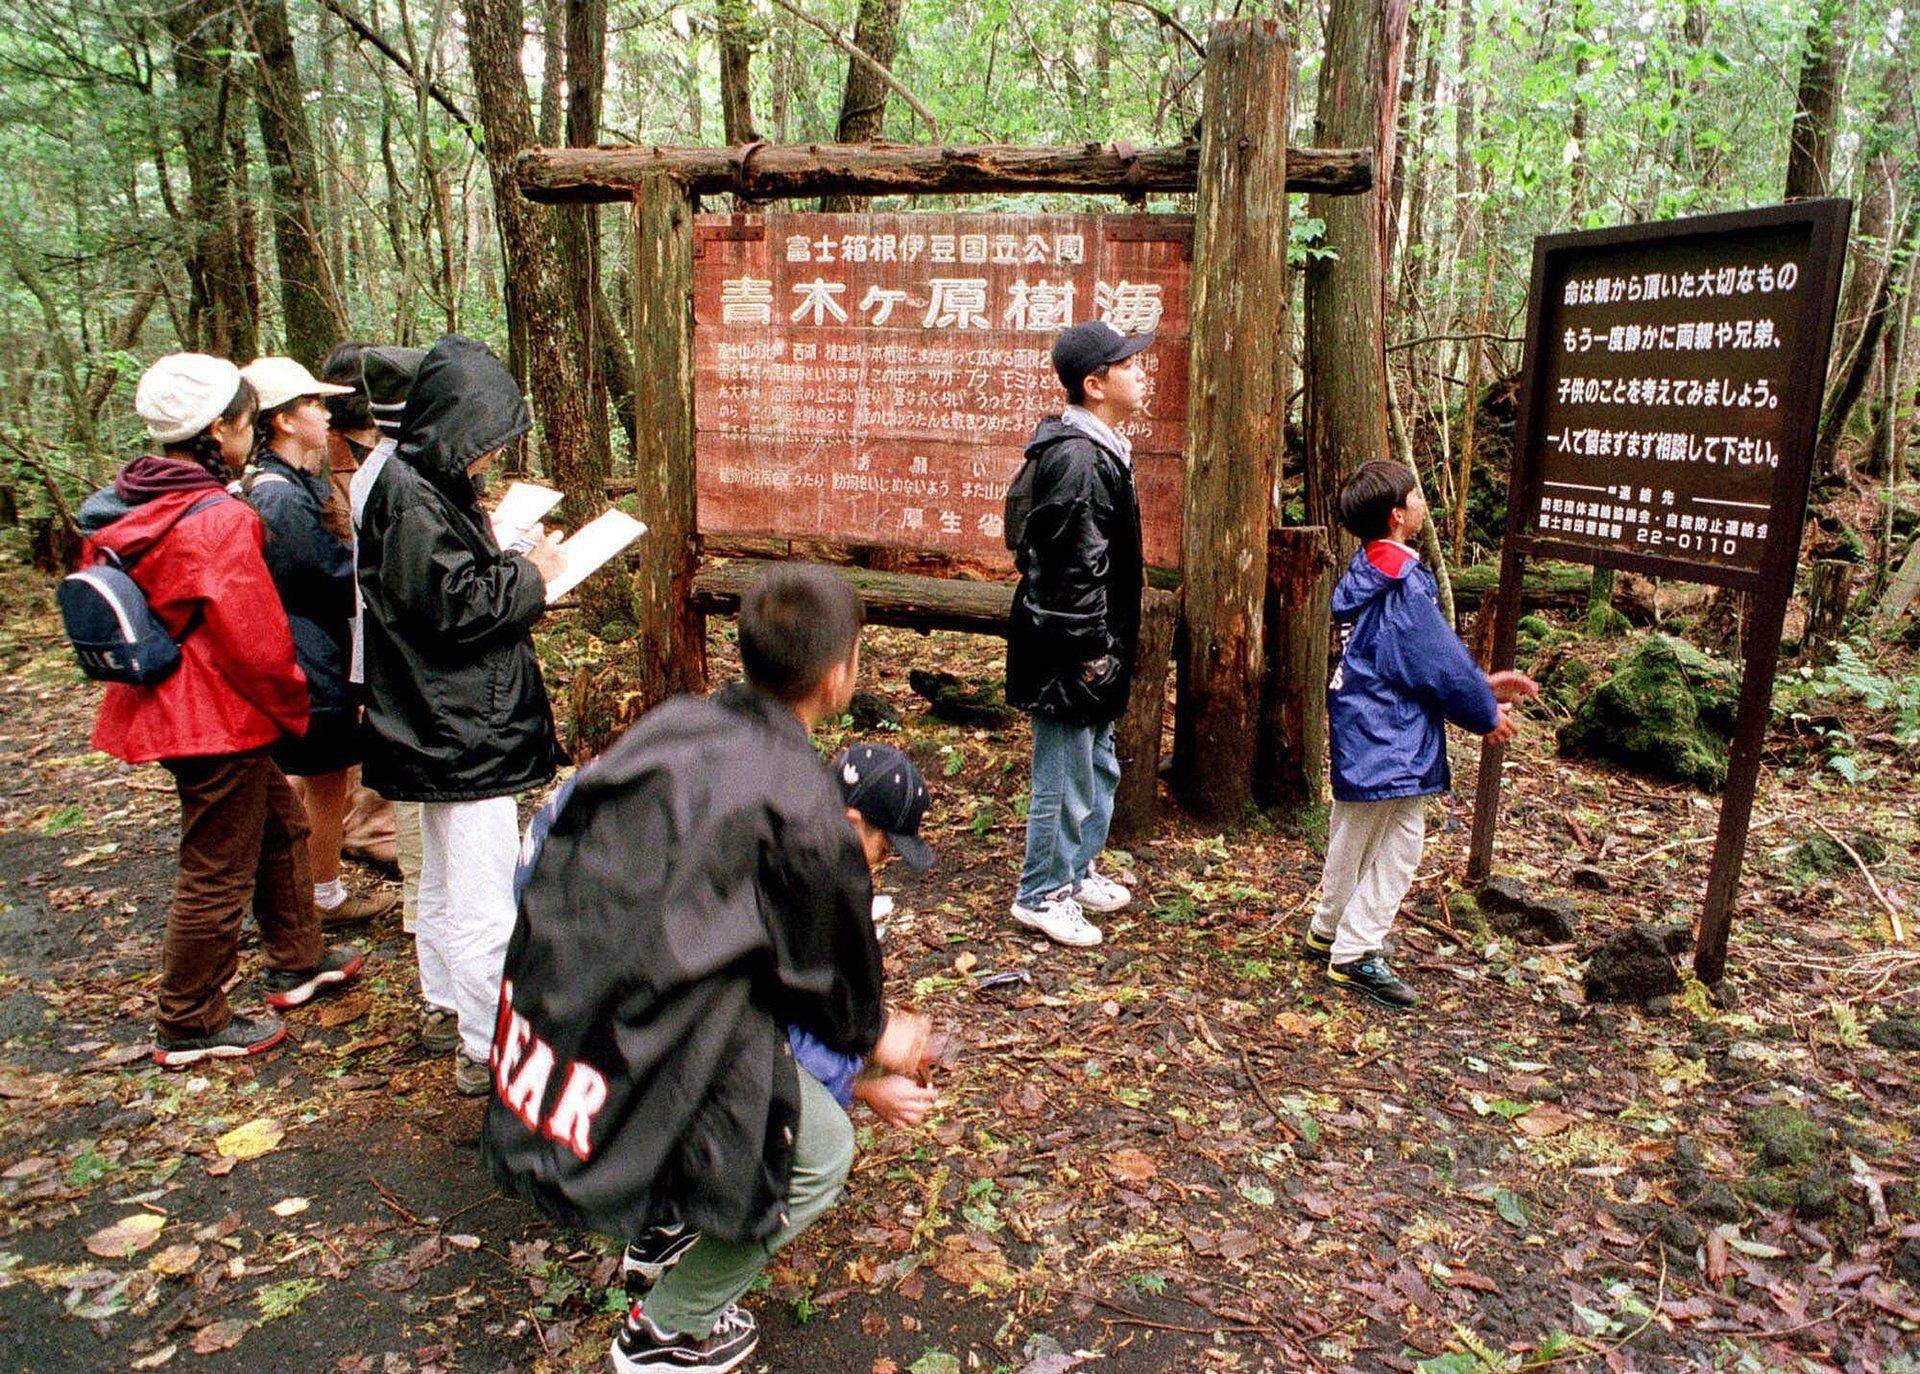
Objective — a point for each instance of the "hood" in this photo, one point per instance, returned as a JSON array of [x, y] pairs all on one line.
[[1375, 569], [152, 475], [463, 405], [141, 527]]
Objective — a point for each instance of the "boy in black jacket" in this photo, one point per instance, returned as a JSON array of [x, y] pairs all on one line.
[[699, 892]]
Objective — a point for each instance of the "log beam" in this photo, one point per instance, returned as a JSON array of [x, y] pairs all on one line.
[[773, 171]]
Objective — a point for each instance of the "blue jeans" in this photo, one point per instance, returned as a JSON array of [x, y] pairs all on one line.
[[1075, 774]]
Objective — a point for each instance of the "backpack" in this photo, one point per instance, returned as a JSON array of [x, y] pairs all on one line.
[[113, 630]]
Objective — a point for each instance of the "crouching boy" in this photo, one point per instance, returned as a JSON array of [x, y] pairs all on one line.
[[698, 895]]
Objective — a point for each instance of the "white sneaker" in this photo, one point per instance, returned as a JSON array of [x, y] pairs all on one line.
[[1060, 919], [1097, 892]]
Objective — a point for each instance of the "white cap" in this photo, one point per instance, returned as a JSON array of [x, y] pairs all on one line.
[[183, 393], [280, 380]]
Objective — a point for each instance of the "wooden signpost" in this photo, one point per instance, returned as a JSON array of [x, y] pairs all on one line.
[[874, 379], [1669, 400]]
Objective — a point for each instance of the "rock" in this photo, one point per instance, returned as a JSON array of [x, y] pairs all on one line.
[[871, 711], [1686, 1161], [1787, 1137], [1631, 967], [1465, 914], [1680, 1230], [1676, 937], [1603, 622], [1717, 1202], [1896, 1033], [1659, 1006], [959, 703], [1591, 878], [1819, 1195], [1667, 711], [1553, 919], [1637, 597]]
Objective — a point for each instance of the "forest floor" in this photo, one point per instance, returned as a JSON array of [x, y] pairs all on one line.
[[1179, 1151]]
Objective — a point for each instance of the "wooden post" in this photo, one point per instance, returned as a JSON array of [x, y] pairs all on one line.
[[671, 631], [1829, 590], [1236, 409], [1136, 739], [1293, 704]]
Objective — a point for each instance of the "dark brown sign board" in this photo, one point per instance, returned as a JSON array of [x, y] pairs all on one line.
[[1669, 398], [874, 379]]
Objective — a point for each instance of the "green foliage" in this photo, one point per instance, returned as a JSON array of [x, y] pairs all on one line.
[[1667, 710]]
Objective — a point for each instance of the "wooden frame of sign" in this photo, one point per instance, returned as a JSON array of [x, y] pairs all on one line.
[[1669, 399]]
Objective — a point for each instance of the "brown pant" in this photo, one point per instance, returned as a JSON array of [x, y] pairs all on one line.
[[243, 839]]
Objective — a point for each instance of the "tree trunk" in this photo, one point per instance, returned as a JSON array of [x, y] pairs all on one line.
[[1817, 102], [1851, 379], [1470, 416], [736, 71], [863, 100], [1883, 154], [313, 318], [1236, 409], [534, 289], [219, 308]]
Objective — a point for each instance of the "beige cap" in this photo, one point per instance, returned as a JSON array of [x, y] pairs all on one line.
[[183, 393], [280, 380]]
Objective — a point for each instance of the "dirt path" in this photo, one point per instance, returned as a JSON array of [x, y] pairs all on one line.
[[1179, 1151]]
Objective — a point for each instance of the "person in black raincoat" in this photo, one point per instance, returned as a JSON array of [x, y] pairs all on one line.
[[1074, 528], [699, 891], [457, 715]]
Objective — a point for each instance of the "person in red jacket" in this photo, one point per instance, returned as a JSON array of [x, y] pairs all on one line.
[[195, 553]]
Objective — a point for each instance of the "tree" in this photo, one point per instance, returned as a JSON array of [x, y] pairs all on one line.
[[1822, 70], [863, 100], [221, 308], [313, 317]]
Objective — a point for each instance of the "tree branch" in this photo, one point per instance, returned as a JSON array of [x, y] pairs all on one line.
[[1167, 21], [433, 88], [858, 54]]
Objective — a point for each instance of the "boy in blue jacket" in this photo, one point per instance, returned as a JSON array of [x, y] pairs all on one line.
[[1403, 674]]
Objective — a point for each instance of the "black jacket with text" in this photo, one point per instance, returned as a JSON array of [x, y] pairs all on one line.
[[456, 707], [699, 891], [1081, 575]]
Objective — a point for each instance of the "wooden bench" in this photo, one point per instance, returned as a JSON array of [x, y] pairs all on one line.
[[916, 602]]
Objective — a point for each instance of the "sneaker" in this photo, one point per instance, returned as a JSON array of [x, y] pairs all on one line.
[[1372, 977], [293, 987], [358, 909], [642, 1346], [1060, 919], [1099, 893], [1316, 945], [240, 1037], [439, 1030], [471, 1077], [657, 1251]]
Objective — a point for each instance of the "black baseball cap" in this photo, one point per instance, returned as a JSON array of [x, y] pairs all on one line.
[[882, 784], [1083, 349]]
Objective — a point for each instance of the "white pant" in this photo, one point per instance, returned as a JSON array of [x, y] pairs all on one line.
[[465, 915], [1373, 849]]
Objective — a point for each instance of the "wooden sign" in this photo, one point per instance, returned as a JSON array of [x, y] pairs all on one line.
[[1668, 405], [874, 379]]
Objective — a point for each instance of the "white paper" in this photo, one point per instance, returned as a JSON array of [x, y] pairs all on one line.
[[520, 509], [590, 547]]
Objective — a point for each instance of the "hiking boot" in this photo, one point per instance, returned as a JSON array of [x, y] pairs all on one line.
[[1314, 945], [1371, 976], [471, 1077], [358, 909], [288, 988], [1098, 893], [657, 1251], [240, 1037], [1059, 917], [439, 1030], [642, 1348]]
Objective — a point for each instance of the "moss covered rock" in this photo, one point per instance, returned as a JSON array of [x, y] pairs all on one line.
[[1667, 711]]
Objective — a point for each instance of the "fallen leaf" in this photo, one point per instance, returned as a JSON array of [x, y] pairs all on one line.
[[175, 1259], [32, 1164], [220, 1167], [156, 1359], [251, 1140], [342, 1010], [1293, 1023], [464, 1242], [126, 1054], [17, 1085], [214, 1337], [291, 1206], [966, 962], [1131, 1166], [126, 1236], [1542, 1121]]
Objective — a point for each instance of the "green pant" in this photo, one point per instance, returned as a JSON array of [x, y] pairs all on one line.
[[690, 1296]]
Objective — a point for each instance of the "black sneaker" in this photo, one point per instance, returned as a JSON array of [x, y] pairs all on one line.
[[657, 1251], [1314, 945], [1372, 977], [643, 1348], [240, 1037], [288, 987]]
